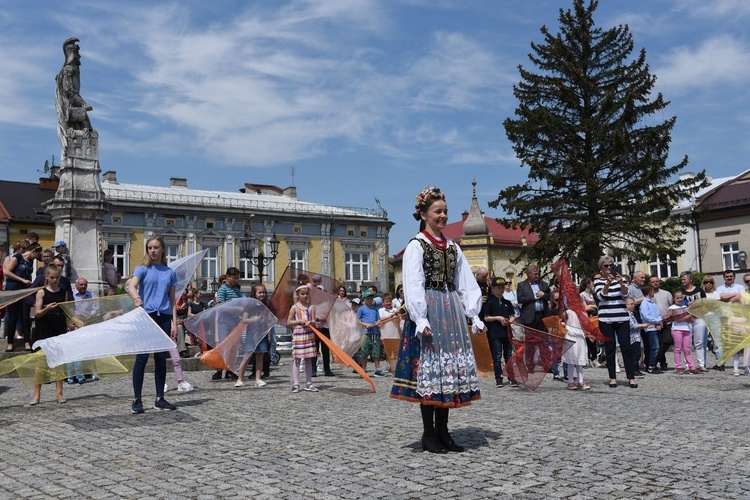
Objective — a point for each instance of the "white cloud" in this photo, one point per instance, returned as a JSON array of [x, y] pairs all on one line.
[[715, 8], [490, 157], [458, 73], [266, 85], [718, 60], [644, 22], [22, 77], [271, 88]]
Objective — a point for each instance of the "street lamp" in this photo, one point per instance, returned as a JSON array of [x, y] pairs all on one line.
[[631, 267], [248, 241]]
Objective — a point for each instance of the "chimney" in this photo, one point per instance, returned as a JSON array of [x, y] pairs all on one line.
[[291, 192], [50, 183], [178, 182], [110, 176]]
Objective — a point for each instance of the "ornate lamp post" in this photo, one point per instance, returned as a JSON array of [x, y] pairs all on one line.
[[631, 267], [248, 241]]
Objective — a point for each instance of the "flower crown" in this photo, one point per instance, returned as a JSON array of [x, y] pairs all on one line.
[[427, 194]]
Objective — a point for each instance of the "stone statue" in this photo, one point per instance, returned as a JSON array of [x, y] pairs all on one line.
[[79, 204], [72, 109]]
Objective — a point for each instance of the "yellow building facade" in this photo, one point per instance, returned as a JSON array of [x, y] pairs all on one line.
[[347, 244]]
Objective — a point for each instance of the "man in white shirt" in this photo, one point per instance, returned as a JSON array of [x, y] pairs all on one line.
[[730, 291]]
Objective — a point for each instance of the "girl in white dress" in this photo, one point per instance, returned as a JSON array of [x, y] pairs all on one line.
[[578, 355]]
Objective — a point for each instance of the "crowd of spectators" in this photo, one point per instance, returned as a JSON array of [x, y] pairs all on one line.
[[640, 320], [25, 266]]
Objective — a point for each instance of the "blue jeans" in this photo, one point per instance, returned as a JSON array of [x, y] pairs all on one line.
[[555, 369], [636, 348], [500, 350], [653, 339], [160, 361], [74, 369]]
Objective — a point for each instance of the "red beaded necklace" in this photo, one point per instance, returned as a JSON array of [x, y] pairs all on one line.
[[440, 244]]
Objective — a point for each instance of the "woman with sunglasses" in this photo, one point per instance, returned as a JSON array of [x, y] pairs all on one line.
[[708, 285], [614, 320]]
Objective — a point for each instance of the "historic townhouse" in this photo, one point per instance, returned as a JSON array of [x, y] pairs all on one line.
[[348, 244]]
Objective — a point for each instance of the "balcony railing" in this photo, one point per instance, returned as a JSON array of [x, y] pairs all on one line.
[[127, 195]]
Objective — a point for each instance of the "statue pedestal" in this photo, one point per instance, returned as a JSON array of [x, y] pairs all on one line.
[[78, 209]]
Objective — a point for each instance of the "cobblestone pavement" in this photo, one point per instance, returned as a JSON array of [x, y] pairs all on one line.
[[675, 436]]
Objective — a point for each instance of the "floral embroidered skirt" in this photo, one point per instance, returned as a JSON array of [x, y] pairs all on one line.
[[440, 369]]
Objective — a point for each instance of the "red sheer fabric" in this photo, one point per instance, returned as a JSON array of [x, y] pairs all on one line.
[[570, 298], [536, 352]]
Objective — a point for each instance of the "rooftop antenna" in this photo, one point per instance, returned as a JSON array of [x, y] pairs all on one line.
[[46, 167], [293, 177]]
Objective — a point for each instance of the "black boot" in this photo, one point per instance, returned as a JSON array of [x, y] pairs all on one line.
[[430, 441], [441, 428]]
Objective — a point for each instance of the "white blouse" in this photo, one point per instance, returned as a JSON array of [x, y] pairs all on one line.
[[414, 291]]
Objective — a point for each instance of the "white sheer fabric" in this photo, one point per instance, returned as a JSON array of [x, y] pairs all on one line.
[[132, 333], [185, 268]]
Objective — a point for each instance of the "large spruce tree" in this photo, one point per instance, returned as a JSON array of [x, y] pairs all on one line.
[[587, 127]]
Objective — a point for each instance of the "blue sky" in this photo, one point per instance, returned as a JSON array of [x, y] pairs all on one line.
[[364, 99]]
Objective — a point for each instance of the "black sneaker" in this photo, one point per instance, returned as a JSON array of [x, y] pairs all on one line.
[[637, 373], [329, 373], [137, 407], [664, 367], [216, 375], [163, 404], [719, 368]]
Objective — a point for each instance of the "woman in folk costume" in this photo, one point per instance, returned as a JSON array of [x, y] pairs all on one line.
[[436, 366]]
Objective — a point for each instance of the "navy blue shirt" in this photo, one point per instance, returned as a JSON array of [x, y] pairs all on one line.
[[497, 307]]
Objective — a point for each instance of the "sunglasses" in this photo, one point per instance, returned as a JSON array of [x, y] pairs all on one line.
[[708, 282], [747, 281], [606, 265]]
